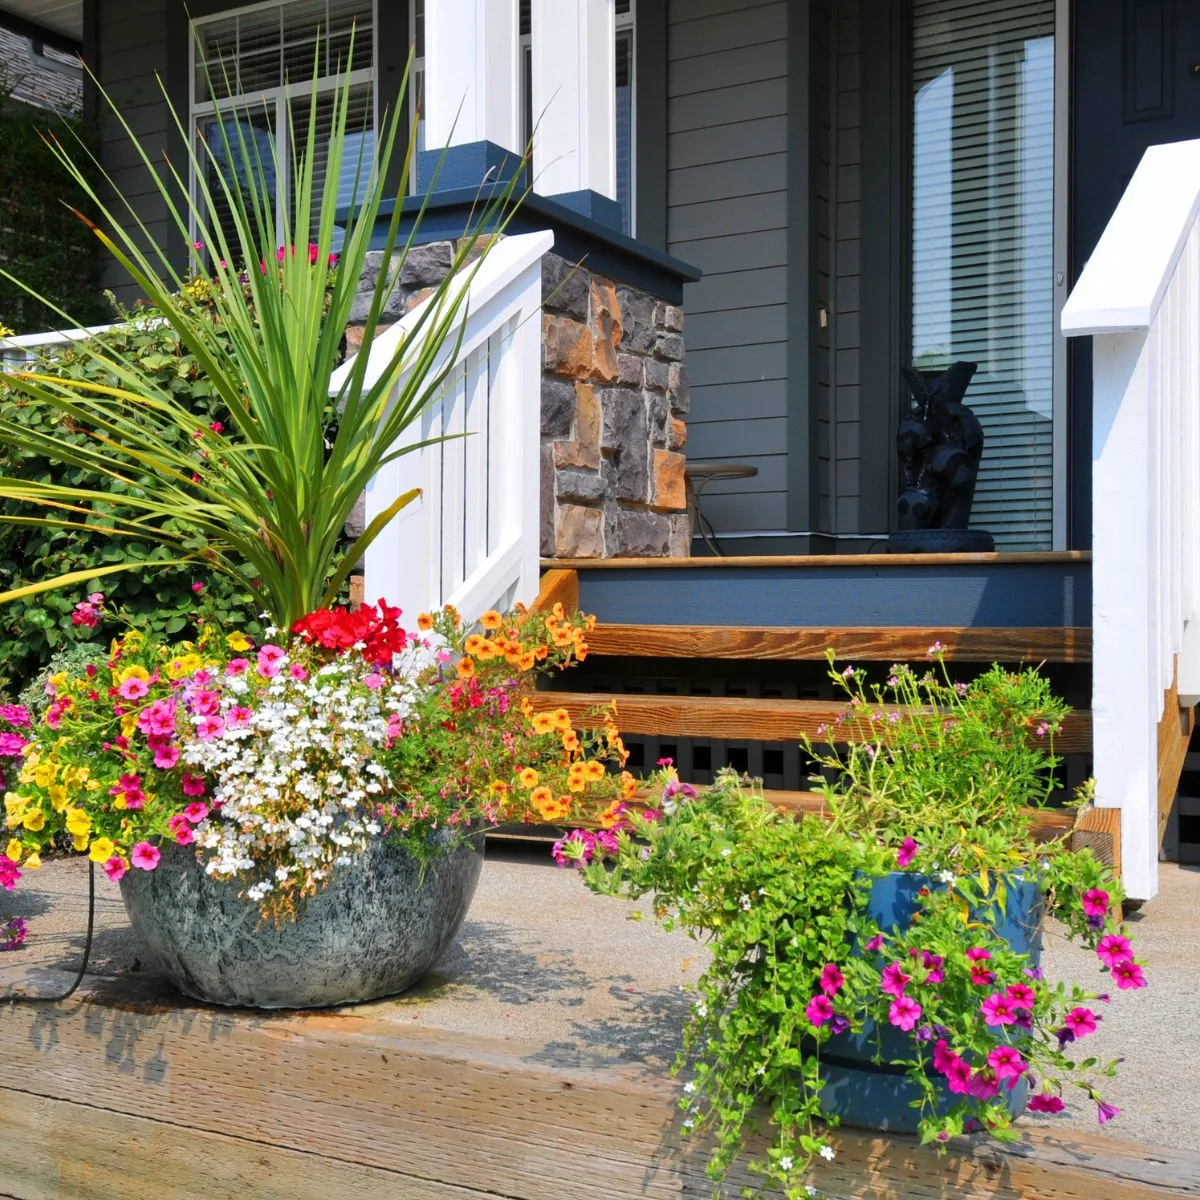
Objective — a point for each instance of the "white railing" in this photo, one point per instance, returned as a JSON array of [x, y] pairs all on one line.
[[19, 351], [472, 538], [1139, 299]]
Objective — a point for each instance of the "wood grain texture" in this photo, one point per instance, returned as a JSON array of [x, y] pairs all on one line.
[[126, 1093], [1099, 830], [738, 718], [818, 560], [1174, 735], [558, 587], [900, 644]]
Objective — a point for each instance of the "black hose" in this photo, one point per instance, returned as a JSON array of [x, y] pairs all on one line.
[[18, 998]]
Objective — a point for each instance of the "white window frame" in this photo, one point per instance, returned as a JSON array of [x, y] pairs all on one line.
[[276, 96]]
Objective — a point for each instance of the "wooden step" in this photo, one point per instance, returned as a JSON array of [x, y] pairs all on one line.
[[901, 644], [740, 718]]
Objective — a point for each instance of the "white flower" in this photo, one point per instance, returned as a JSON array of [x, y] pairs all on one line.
[[726, 852], [786, 1162], [689, 1124], [947, 877], [689, 1087], [827, 1153], [809, 1190]]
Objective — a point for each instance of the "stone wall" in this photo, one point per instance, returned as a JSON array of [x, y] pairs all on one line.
[[613, 406]]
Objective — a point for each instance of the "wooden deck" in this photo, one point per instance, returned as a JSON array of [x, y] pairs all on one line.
[[126, 1092]]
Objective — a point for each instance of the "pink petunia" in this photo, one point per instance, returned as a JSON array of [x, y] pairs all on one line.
[[239, 716], [192, 785], [1095, 902], [998, 1010], [893, 980], [906, 853], [933, 965], [205, 702], [1105, 1112], [984, 1085], [1021, 995], [1007, 1062], [1128, 975], [115, 868], [959, 1076], [209, 727], [144, 856], [165, 757], [1043, 1102], [978, 954], [268, 661], [298, 673], [831, 979], [196, 811], [374, 681], [982, 977], [181, 831], [904, 1012], [134, 688], [1081, 1021], [8, 873], [1113, 948], [819, 1010], [237, 666], [158, 719]]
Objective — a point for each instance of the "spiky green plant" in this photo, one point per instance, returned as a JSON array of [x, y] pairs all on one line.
[[271, 497]]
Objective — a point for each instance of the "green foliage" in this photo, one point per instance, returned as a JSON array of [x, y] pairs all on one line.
[[937, 780], [73, 657], [44, 243], [159, 599]]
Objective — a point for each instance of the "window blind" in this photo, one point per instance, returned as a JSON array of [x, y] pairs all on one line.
[[983, 239]]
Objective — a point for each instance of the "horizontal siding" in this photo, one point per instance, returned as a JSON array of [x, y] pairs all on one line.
[[727, 211]]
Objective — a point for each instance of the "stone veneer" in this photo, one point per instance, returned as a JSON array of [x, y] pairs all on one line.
[[613, 402]]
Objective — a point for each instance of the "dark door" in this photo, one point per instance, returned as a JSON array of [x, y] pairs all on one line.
[[1135, 83]]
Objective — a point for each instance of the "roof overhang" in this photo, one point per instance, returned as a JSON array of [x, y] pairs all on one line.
[[57, 23]]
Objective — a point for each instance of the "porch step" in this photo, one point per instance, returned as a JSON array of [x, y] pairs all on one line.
[[741, 718]]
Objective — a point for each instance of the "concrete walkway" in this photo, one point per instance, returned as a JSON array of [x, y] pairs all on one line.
[[543, 961]]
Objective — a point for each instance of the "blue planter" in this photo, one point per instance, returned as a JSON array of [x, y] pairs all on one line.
[[872, 1096]]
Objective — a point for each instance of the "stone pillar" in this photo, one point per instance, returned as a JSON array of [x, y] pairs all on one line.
[[573, 47], [472, 74]]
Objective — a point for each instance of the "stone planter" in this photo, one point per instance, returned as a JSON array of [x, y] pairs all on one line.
[[375, 930], [877, 1096]]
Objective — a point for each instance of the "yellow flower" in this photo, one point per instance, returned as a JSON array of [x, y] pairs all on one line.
[[14, 850], [134, 672], [59, 681], [129, 724], [177, 668], [558, 612], [14, 808], [33, 860], [237, 641], [101, 850], [525, 661], [35, 820], [528, 778], [45, 774], [491, 619], [132, 640], [79, 824], [454, 615], [80, 842], [498, 786], [543, 722]]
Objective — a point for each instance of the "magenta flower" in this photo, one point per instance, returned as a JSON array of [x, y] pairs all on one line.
[[1128, 975], [209, 727], [8, 873], [1043, 1102], [1007, 1062], [831, 979], [1095, 902], [998, 1010], [1081, 1021], [893, 980], [158, 719], [1105, 1112], [144, 856], [197, 587], [982, 977], [904, 1012], [298, 673], [876, 943], [268, 661], [115, 868], [165, 757], [906, 853], [985, 1086], [959, 1076], [196, 811], [237, 666], [943, 1056], [978, 954], [819, 1010], [133, 688], [13, 933], [239, 716], [1113, 948], [181, 831], [374, 681], [1021, 995], [933, 965], [192, 785]]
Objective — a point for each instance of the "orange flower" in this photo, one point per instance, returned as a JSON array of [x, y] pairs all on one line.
[[525, 661], [581, 650], [558, 612], [613, 814], [424, 622], [554, 810], [562, 637], [541, 653], [527, 778], [541, 796], [527, 707], [629, 786], [473, 643], [491, 619], [465, 668], [543, 723], [570, 741], [454, 615], [487, 649], [499, 787], [594, 771], [562, 720]]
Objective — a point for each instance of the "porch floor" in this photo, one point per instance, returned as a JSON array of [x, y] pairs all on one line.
[[531, 1064]]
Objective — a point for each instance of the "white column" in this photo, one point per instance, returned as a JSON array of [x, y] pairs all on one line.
[[574, 96], [472, 75]]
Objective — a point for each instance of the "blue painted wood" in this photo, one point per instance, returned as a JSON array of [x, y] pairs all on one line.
[[981, 595], [592, 205], [873, 1096], [467, 166]]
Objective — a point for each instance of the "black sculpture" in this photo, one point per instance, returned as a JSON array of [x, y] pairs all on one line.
[[940, 442]]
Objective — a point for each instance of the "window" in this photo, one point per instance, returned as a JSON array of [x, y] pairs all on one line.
[[625, 99], [254, 74], [983, 239]]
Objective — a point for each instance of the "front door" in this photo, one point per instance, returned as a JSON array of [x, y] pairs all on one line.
[[1136, 83]]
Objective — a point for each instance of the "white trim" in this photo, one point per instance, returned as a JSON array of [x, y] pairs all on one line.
[[1062, 189]]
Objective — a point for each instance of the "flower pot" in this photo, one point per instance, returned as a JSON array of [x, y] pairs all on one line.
[[878, 1096], [379, 926]]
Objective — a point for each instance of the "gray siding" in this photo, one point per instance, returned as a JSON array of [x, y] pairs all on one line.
[[727, 164], [132, 40]]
